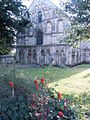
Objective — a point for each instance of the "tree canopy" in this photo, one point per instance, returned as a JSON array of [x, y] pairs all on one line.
[[13, 17], [80, 21]]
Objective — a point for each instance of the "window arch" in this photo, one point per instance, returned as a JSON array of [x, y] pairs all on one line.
[[62, 53], [20, 53], [48, 52], [42, 57], [29, 56], [33, 15], [21, 56], [49, 26], [39, 6], [60, 26], [34, 56], [42, 53], [43, 5], [73, 57], [39, 36], [39, 17], [36, 7], [57, 57]]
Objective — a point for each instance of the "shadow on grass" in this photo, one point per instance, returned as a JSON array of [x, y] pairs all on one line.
[[86, 76]]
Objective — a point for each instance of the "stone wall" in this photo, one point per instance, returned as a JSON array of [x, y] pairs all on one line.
[[4, 59], [57, 54]]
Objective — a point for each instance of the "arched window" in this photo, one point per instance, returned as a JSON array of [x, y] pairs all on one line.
[[42, 53], [60, 26], [34, 56], [49, 57], [21, 57], [29, 56], [33, 15], [39, 37], [73, 57], [42, 58], [39, 17], [36, 7], [62, 52], [57, 57], [48, 52], [43, 5], [39, 6], [49, 27]]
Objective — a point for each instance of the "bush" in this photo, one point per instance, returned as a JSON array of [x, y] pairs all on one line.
[[14, 108]]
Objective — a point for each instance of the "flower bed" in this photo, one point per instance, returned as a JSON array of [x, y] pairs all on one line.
[[25, 105]]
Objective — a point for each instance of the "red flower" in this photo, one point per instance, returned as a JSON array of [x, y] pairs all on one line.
[[32, 105], [59, 96], [36, 86], [60, 114], [42, 80], [11, 84], [35, 81]]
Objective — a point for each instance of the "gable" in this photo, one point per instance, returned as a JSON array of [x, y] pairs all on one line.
[[42, 4], [47, 7]]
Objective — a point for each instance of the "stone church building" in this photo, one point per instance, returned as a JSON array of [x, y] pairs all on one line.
[[43, 39]]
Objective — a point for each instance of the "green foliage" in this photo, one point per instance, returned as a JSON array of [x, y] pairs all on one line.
[[15, 109], [57, 106], [77, 33], [80, 29], [13, 17]]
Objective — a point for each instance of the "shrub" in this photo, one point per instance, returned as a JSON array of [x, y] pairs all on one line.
[[16, 108]]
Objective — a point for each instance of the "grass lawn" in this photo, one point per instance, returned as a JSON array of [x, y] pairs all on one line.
[[72, 80], [73, 83]]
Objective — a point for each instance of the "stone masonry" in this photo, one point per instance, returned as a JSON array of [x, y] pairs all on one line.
[[43, 39]]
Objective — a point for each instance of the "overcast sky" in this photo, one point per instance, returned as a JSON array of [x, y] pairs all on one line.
[[28, 2]]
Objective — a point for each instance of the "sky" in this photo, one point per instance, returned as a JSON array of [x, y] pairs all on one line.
[[28, 2]]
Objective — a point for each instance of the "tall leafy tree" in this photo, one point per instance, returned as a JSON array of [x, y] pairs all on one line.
[[13, 17], [79, 11]]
